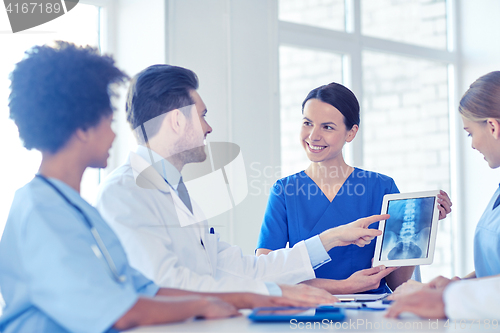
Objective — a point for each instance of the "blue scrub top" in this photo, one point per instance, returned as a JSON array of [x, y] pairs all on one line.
[[297, 209], [50, 277], [487, 241]]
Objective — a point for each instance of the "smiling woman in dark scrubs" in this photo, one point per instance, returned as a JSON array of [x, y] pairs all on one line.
[[330, 193]]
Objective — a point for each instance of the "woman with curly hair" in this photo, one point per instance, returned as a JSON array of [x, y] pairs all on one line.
[[62, 267]]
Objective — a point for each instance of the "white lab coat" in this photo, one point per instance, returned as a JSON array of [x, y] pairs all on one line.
[[148, 219], [473, 299]]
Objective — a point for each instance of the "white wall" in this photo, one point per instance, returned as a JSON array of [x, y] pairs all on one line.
[[231, 46], [137, 39], [480, 48]]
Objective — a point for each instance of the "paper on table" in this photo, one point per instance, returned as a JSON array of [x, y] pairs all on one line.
[[361, 297], [373, 305]]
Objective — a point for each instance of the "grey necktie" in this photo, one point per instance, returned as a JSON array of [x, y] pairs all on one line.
[[184, 195], [497, 202]]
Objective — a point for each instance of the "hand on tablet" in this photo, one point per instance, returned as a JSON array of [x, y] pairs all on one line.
[[444, 204], [367, 279], [356, 232]]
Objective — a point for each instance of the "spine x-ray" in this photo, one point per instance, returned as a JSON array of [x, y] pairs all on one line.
[[407, 231]]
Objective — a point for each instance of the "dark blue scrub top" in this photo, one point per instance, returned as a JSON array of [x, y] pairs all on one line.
[[297, 210]]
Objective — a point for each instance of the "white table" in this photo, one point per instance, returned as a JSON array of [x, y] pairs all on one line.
[[355, 321]]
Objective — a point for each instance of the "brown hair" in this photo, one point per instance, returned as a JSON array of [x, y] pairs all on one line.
[[482, 100], [156, 90]]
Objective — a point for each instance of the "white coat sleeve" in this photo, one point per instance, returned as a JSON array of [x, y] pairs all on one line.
[[283, 266], [473, 299], [139, 221]]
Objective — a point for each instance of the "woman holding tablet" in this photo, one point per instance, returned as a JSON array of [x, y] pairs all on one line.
[[331, 193], [478, 298]]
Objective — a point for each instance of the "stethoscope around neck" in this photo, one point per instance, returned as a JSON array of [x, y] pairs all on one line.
[[101, 248]]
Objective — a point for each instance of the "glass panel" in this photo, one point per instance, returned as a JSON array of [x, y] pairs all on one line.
[[80, 25], [328, 14], [405, 124], [420, 22], [301, 71]]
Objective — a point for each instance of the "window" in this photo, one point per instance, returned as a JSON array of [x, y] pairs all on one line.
[[397, 58], [81, 26], [301, 70], [421, 22], [320, 13]]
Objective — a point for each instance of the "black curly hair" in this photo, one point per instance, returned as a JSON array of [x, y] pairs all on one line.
[[57, 90]]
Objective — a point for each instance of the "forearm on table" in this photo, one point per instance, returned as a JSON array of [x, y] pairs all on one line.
[[240, 300], [176, 292], [399, 276], [159, 310], [332, 286]]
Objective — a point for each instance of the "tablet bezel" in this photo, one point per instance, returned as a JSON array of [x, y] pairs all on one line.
[[434, 226]]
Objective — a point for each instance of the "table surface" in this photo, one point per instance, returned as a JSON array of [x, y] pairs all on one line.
[[355, 321]]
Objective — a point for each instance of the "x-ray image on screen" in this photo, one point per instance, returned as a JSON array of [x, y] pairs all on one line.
[[407, 231]]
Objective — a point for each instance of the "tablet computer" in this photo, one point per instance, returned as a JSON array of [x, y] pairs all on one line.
[[298, 314], [409, 235]]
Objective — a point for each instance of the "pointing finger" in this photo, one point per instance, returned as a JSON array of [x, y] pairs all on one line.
[[367, 221]]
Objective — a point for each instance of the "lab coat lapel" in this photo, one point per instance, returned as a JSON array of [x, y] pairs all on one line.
[[147, 177], [145, 174], [197, 221], [180, 205]]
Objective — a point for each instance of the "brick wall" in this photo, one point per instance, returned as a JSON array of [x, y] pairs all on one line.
[[405, 124], [421, 22]]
